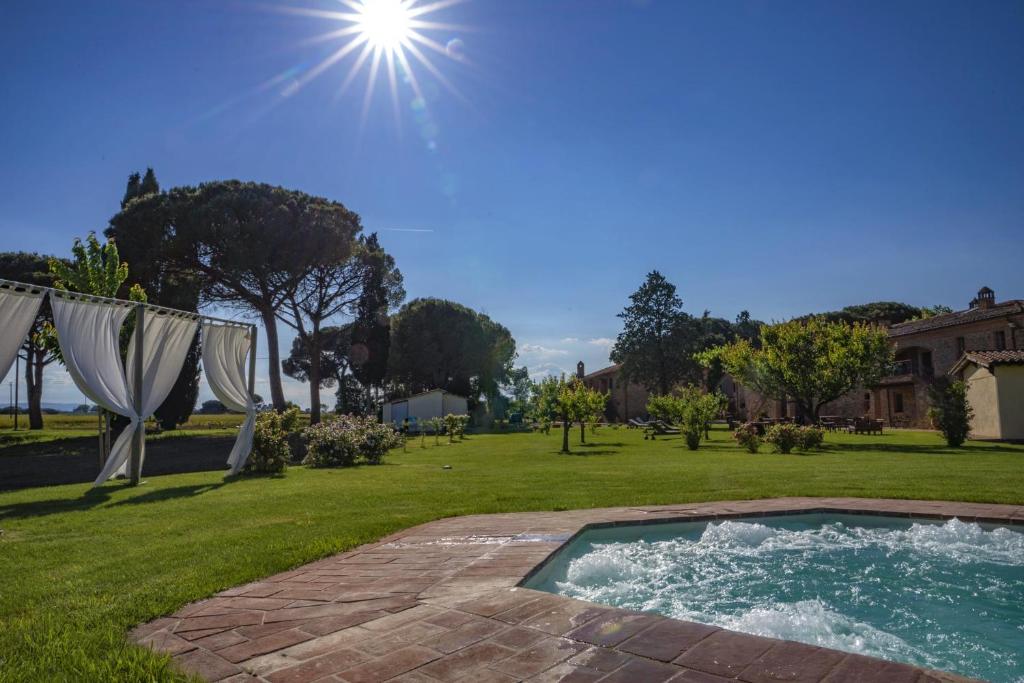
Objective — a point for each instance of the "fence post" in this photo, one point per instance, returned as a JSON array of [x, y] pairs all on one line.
[[138, 438]]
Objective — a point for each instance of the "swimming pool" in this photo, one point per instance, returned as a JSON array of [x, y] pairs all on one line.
[[944, 595]]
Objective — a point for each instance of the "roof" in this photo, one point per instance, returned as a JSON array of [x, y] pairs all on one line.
[[603, 371], [971, 315], [424, 393], [988, 359]]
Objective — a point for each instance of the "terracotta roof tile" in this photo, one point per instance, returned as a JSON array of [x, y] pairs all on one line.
[[971, 315]]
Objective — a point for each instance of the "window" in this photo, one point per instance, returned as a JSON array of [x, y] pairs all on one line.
[[927, 369], [960, 345], [611, 383], [1000, 341], [897, 403]]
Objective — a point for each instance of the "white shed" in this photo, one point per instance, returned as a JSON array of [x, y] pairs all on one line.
[[422, 407]]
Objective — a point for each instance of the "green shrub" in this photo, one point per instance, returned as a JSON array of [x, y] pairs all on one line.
[[270, 451], [747, 436], [783, 437], [950, 411], [347, 440], [811, 438]]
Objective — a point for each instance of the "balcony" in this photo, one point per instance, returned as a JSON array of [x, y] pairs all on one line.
[[906, 370], [900, 367]]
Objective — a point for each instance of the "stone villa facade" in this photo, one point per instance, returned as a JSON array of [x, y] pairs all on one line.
[[627, 399], [924, 350]]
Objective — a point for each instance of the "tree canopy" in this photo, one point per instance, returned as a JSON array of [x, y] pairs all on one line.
[[439, 344], [656, 345], [812, 361]]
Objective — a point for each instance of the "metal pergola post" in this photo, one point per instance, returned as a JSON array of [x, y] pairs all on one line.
[[138, 438], [252, 361]]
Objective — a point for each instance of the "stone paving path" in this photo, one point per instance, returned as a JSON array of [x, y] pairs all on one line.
[[439, 602]]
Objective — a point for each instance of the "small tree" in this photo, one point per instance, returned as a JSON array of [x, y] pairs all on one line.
[[950, 411], [693, 409], [813, 361]]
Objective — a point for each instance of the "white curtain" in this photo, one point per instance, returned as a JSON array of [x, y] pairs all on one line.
[[18, 311], [89, 334], [224, 350]]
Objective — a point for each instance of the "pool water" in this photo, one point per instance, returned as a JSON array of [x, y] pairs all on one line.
[[943, 595]]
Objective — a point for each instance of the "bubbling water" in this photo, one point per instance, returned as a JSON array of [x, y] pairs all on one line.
[[946, 596]]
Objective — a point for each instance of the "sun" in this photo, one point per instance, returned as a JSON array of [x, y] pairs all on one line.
[[385, 24], [386, 39]]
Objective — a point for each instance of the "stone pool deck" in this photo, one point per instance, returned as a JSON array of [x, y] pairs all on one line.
[[440, 602]]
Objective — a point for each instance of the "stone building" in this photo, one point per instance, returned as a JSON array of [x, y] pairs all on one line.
[[924, 349], [627, 399]]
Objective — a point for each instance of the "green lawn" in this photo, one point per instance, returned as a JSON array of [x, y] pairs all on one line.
[[80, 568]]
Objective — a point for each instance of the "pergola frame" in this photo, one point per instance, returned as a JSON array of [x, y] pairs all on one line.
[[135, 462]]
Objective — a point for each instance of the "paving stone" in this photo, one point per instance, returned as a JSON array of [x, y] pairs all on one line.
[[645, 670], [219, 621], [692, 676], [465, 661], [464, 635], [613, 628], [202, 633], [855, 669], [539, 657], [564, 617], [667, 640], [567, 673], [261, 646], [318, 667], [206, 665], [219, 641], [383, 668], [725, 653], [496, 602], [167, 643], [393, 621], [325, 625], [517, 637], [789, 661], [601, 659]]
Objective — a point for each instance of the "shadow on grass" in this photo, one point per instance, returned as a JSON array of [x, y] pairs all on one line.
[[923, 449], [98, 496]]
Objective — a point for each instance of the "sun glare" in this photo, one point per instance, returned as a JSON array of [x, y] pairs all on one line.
[[386, 39], [384, 23]]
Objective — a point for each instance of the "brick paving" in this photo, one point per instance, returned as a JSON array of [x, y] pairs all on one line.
[[441, 602]]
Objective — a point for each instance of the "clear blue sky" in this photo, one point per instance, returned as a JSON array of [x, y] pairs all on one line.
[[780, 157]]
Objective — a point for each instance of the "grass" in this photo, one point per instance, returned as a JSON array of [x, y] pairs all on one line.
[[82, 567]]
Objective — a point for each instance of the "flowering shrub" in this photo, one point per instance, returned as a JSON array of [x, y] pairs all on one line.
[[783, 437], [811, 438], [455, 425], [270, 451], [747, 436], [347, 440]]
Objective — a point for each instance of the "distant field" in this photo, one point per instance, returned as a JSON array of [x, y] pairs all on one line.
[[59, 427]]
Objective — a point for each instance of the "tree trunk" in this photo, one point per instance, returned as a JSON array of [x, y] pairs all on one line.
[[34, 387], [314, 376], [273, 360], [583, 431], [565, 434]]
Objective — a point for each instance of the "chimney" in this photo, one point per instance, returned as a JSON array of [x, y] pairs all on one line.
[[579, 370], [986, 299]]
